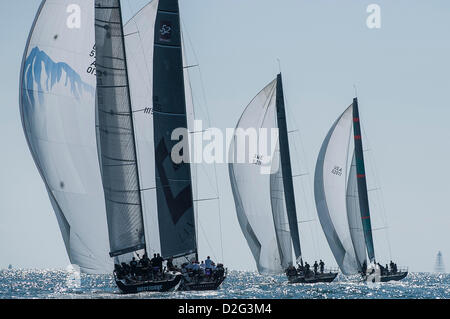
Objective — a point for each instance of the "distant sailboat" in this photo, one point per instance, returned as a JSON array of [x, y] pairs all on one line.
[[149, 198], [265, 203], [439, 266], [341, 196]]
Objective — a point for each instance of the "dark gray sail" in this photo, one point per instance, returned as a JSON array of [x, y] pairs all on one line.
[[287, 169], [173, 181], [116, 133], [362, 183]]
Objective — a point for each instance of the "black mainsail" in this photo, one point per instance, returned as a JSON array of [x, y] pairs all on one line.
[[173, 181], [362, 182], [117, 148], [287, 169]]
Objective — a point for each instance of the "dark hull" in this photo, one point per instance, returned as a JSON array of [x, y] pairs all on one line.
[[385, 278], [202, 285], [149, 286], [300, 279], [394, 277]]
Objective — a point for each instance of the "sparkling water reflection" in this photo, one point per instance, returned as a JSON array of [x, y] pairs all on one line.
[[53, 284]]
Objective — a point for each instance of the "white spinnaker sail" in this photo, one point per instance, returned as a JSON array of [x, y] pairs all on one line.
[[139, 41], [253, 191], [330, 190], [57, 103]]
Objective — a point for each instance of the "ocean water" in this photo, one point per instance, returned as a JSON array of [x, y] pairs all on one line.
[[51, 284]]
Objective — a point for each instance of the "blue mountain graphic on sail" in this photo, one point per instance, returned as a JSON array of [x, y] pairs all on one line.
[[36, 63]]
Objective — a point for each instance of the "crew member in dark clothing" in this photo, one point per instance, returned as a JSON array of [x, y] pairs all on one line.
[[144, 262], [133, 265], [316, 267], [322, 266], [307, 267], [159, 262], [364, 268], [153, 261], [153, 264], [170, 266]]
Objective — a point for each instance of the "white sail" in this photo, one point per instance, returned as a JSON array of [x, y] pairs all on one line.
[[279, 212], [330, 189], [139, 38], [256, 193], [354, 216], [57, 102]]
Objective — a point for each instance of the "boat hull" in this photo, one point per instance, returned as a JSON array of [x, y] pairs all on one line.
[[394, 277], [201, 285], [390, 277], [316, 278], [149, 286]]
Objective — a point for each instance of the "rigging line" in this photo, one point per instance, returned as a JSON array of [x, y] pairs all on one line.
[[209, 124], [132, 33], [313, 231], [191, 66], [205, 199], [380, 195], [300, 175], [206, 239], [199, 69], [306, 221]]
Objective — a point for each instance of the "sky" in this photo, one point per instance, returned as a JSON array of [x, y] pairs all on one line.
[[325, 47]]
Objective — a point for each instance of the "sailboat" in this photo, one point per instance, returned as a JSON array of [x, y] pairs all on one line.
[[265, 202], [342, 200], [98, 109], [149, 197]]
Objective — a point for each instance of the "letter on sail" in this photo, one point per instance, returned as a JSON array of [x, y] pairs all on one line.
[[57, 102]]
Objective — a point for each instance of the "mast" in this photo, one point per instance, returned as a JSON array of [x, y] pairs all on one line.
[[362, 182], [173, 181], [287, 169], [117, 141]]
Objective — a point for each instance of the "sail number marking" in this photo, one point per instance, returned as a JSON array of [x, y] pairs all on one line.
[[337, 171]]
